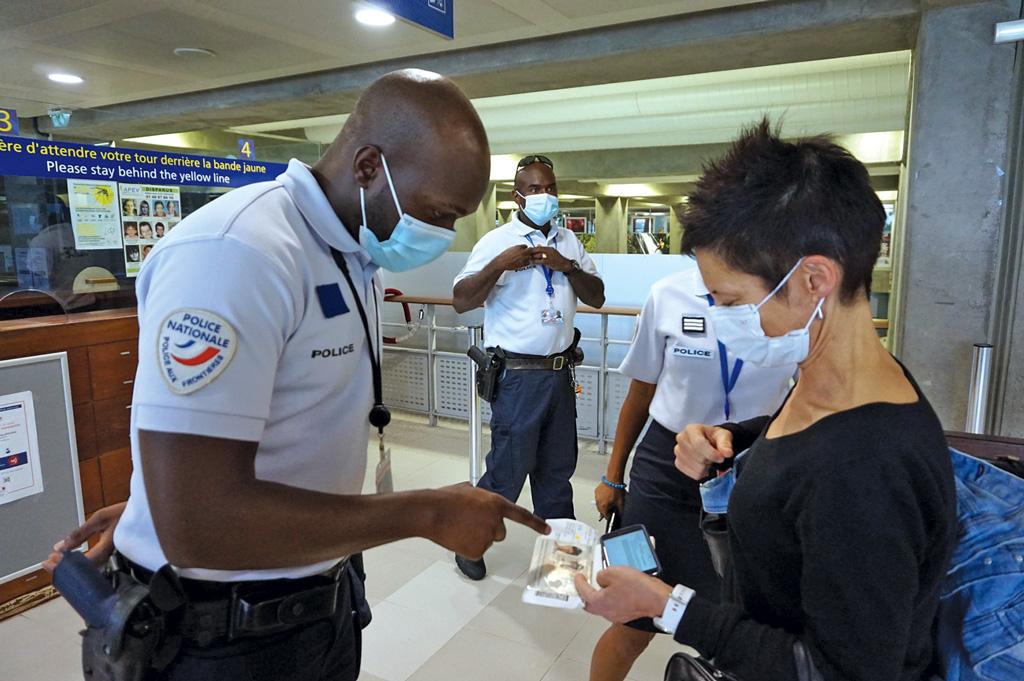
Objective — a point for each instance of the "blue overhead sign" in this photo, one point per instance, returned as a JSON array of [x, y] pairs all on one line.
[[29, 157], [434, 15]]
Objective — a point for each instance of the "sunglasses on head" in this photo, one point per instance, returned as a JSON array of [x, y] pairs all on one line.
[[534, 158]]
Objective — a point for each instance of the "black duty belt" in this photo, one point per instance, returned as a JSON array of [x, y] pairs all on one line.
[[230, 610], [557, 362]]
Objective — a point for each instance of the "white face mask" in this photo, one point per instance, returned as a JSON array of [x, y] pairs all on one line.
[[540, 208], [412, 243], [739, 328]]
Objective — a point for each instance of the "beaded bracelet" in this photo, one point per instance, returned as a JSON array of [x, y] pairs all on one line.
[[616, 485]]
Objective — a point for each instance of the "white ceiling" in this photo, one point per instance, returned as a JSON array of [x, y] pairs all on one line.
[[124, 48], [846, 96]]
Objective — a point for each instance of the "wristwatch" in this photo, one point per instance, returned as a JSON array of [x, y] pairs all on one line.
[[674, 609], [575, 267]]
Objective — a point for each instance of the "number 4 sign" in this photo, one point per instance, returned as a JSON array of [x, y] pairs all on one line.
[[246, 148], [9, 122]]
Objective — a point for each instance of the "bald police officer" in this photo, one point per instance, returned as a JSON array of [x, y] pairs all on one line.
[[528, 276], [259, 378]]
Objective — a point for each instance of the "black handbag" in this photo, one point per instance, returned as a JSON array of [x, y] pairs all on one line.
[[683, 667]]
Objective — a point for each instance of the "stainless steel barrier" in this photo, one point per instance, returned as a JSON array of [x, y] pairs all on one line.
[[981, 378], [476, 427], [474, 335]]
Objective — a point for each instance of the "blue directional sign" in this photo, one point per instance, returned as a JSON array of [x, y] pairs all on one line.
[[247, 148], [9, 122], [434, 15]]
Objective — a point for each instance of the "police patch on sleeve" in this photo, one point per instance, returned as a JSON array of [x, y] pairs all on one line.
[[193, 348]]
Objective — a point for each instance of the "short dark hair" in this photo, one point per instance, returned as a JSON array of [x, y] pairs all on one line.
[[767, 203]]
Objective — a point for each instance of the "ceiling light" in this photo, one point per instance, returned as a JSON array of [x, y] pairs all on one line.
[[194, 52], [65, 78], [627, 190], [374, 17]]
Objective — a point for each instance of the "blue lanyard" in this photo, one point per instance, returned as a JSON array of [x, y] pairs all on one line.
[[728, 378], [547, 270]]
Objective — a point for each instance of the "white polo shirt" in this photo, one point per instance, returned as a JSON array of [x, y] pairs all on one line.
[[512, 311], [248, 331], [686, 365]]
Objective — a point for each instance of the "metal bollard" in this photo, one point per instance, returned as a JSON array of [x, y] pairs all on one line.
[[476, 428], [1009, 32], [977, 400]]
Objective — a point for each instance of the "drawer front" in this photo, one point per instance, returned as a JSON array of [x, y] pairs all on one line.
[[23, 585], [112, 369], [116, 474], [78, 370], [92, 486], [112, 423], [85, 431]]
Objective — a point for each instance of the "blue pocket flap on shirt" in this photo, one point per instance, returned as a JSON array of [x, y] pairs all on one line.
[[332, 302]]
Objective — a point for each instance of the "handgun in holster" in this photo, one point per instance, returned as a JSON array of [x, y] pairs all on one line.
[[575, 352], [489, 366], [129, 625]]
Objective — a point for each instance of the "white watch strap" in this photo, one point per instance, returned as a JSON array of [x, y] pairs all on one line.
[[674, 609]]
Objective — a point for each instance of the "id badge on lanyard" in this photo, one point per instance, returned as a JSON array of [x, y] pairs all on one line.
[[729, 378], [550, 316], [379, 415]]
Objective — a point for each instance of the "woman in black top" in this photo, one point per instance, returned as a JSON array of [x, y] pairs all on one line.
[[843, 517]]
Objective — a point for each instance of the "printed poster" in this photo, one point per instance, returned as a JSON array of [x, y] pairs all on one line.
[[148, 213], [20, 475], [94, 214]]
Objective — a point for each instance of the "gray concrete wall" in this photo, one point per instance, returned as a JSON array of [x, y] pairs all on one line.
[[958, 152], [469, 229], [675, 231], [610, 224]]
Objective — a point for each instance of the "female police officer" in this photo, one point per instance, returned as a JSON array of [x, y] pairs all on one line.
[[681, 374]]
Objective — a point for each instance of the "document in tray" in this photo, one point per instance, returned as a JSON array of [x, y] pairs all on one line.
[[572, 548]]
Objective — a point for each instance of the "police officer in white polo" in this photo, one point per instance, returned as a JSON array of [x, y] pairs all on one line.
[[258, 381], [528, 275], [681, 374]]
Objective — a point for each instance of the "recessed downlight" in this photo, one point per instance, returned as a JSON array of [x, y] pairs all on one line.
[[65, 78], [371, 16], [194, 52]]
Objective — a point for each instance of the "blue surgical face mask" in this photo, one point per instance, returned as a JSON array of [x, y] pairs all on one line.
[[412, 243], [540, 208], [739, 329]]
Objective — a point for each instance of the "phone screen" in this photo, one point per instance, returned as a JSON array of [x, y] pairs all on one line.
[[631, 549]]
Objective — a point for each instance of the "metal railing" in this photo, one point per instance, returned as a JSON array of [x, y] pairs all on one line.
[[473, 337]]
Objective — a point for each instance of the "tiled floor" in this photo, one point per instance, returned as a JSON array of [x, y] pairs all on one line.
[[430, 623]]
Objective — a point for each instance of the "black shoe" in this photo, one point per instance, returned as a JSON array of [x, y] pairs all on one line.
[[474, 569]]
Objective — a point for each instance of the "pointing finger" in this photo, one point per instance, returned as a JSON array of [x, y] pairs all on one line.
[[520, 515]]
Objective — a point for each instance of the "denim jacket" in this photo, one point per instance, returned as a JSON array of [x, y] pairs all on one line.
[[981, 616], [981, 613]]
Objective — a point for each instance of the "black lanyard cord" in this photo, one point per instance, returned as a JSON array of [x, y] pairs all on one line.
[[379, 414]]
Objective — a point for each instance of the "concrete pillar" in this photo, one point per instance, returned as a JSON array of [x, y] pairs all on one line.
[[1008, 405], [675, 231], [610, 223], [469, 229], [958, 147]]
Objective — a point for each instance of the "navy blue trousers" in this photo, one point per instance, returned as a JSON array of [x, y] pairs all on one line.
[[533, 434]]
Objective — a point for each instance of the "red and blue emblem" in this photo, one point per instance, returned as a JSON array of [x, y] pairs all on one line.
[[193, 348]]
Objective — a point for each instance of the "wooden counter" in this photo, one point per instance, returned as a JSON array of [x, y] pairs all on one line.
[[102, 352]]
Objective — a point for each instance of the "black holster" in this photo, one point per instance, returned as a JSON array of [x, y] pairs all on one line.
[[128, 634], [489, 366]]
